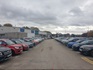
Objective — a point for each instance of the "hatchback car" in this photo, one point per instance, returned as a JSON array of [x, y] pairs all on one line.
[[86, 50], [15, 48], [5, 53]]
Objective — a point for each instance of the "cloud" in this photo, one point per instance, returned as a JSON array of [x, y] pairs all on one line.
[[52, 15], [76, 12]]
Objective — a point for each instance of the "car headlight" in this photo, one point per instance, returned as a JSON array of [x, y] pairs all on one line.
[[24, 45], [1, 54], [17, 47]]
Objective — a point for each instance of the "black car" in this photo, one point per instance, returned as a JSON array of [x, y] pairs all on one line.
[[86, 50], [76, 47], [5, 53]]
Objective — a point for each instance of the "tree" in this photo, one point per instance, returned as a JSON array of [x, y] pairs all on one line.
[[84, 34], [90, 33], [48, 32], [34, 28], [25, 27], [67, 35], [8, 25]]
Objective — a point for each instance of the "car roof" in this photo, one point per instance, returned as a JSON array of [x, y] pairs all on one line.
[[4, 39]]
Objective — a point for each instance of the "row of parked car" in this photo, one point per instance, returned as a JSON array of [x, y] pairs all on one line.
[[10, 47], [82, 44]]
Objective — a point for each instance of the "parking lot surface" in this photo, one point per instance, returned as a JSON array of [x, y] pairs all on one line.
[[49, 54]]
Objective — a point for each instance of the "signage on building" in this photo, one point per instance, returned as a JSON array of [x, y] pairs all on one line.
[[22, 29]]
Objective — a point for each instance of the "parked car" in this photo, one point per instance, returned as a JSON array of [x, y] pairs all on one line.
[[27, 43], [64, 40], [25, 46], [78, 45], [59, 39], [36, 40], [15, 48], [29, 40], [70, 44], [86, 50], [5, 53], [71, 40]]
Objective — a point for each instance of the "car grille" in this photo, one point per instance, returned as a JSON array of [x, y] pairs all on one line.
[[7, 52]]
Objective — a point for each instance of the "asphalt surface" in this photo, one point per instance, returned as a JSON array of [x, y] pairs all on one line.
[[49, 54]]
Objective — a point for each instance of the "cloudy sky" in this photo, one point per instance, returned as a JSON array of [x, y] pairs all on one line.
[[65, 16]]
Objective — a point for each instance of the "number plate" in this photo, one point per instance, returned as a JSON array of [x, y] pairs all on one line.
[[9, 55]]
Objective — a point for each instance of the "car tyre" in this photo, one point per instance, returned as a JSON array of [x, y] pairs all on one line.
[[13, 53], [85, 53], [91, 53]]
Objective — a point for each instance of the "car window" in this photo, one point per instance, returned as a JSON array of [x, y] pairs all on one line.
[[84, 42], [21, 41], [13, 41], [17, 41], [0, 42], [4, 42], [9, 42]]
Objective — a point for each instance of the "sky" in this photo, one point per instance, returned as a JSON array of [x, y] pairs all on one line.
[[57, 16]]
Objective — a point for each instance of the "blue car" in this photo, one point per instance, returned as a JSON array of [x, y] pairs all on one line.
[[70, 44], [70, 40]]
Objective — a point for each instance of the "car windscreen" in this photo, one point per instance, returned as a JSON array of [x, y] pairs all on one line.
[[9, 42], [71, 39], [26, 40], [17, 41], [84, 42], [21, 40], [79, 41]]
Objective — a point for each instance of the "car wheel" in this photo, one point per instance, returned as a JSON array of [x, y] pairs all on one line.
[[85, 53], [13, 53], [91, 53]]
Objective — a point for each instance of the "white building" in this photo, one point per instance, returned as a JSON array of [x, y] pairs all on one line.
[[9, 29], [29, 34], [13, 31]]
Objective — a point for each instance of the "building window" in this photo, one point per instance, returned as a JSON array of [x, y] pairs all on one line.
[[36, 32], [22, 29], [32, 31]]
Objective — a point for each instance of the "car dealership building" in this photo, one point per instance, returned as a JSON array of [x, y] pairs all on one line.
[[15, 32]]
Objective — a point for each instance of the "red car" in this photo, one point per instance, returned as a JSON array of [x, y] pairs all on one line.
[[25, 47], [16, 48]]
